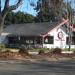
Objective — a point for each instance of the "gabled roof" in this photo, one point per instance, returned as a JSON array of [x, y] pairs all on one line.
[[32, 29]]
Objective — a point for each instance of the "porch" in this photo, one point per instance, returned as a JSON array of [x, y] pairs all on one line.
[[29, 41]]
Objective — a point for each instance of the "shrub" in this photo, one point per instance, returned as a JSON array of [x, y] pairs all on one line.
[[41, 52], [23, 50], [57, 51], [2, 47], [7, 51]]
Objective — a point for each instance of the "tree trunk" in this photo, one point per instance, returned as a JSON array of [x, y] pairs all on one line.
[[70, 38], [4, 12], [2, 23]]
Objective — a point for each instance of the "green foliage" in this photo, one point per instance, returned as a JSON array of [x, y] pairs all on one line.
[[41, 52], [49, 10], [66, 49], [23, 49], [2, 47], [56, 51], [39, 49], [18, 18], [53, 10], [70, 13]]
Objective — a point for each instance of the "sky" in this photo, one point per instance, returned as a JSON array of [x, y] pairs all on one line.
[[72, 3], [25, 7]]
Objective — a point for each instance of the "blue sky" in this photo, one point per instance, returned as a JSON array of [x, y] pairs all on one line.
[[72, 3], [25, 7]]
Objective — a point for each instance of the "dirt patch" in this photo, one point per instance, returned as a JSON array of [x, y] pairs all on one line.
[[54, 55], [13, 55]]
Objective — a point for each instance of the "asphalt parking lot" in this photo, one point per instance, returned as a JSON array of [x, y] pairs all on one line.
[[37, 68]]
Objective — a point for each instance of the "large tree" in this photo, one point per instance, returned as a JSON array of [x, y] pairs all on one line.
[[50, 10], [7, 8], [18, 18], [71, 22]]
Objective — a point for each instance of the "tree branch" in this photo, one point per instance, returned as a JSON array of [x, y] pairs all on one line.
[[6, 4], [0, 7], [16, 5], [8, 8]]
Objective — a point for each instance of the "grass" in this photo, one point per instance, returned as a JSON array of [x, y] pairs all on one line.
[[10, 49], [66, 49], [38, 49], [34, 50]]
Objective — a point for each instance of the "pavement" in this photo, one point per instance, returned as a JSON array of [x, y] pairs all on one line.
[[37, 68]]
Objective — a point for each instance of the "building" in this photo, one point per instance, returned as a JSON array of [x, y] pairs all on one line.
[[48, 35]]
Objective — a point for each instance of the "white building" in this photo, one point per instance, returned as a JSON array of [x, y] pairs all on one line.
[[49, 35]]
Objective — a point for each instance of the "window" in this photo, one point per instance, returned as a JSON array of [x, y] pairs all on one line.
[[67, 40], [13, 40], [49, 40], [38, 40], [27, 40], [72, 40]]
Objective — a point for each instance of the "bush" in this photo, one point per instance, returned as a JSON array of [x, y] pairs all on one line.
[[23, 50], [57, 51], [2, 47], [7, 51], [41, 52], [17, 46]]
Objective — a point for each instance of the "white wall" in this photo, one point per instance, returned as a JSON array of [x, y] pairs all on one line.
[[61, 43], [48, 45], [72, 46]]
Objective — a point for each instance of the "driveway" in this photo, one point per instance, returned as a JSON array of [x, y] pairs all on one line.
[[37, 68]]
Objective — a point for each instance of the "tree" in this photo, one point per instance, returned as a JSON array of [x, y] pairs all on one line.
[[70, 17], [23, 17], [9, 18], [18, 18], [7, 8], [49, 10], [43, 14], [57, 9]]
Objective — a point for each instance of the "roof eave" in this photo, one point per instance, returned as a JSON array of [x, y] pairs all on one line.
[[46, 34]]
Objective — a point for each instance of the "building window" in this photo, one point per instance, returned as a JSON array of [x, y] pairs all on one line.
[[29, 41], [38, 40], [49, 40], [72, 41], [67, 40], [13, 40]]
